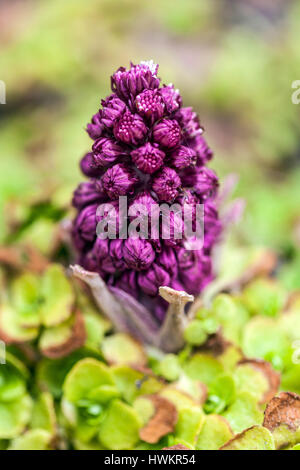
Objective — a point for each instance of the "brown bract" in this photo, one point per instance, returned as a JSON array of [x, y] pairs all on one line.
[[272, 376], [162, 422], [176, 447], [73, 342], [283, 409]]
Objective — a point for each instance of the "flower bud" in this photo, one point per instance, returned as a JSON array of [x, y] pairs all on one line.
[[85, 194], [102, 255], [150, 280], [182, 157], [118, 181], [84, 228], [167, 133], [150, 105], [148, 158], [87, 167], [203, 180], [112, 109], [171, 98], [116, 254], [106, 151], [138, 253], [189, 123], [166, 185], [167, 260], [129, 83], [95, 127], [203, 152], [130, 129]]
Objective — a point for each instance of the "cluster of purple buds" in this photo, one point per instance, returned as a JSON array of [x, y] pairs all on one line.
[[149, 148]]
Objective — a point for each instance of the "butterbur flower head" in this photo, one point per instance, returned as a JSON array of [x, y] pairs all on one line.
[[131, 82], [150, 105], [87, 166], [86, 194], [130, 129], [167, 133], [116, 253], [171, 98], [203, 180], [118, 181], [150, 280], [148, 158], [105, 151], [95, 127], [189, 122], [203, 151], [166, 185], [138, 253], [182, 157], [148, 147], [112, 109], [84, 229]]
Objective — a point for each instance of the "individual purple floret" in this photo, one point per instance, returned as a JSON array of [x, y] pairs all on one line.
[[148, 147]]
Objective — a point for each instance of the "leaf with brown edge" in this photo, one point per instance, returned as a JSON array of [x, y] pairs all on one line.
[[162, 422], [271, 375], [176, 447], [60, 341], [253, 438], [10, 331], [283, 409]]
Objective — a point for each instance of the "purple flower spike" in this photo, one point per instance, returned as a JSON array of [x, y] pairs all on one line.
[[130, 129], [95, 127], [138, 253], [167, 133], [166, 185], [148, 158], [150, 105], [149, 148], [106, 151], [118, 181], [112, 109], [129, 83]]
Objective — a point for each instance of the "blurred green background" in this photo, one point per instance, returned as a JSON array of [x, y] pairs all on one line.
[[233, 60]]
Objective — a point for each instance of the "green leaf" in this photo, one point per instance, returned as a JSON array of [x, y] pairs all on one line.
[[26, 300], [243, 412], [203, 367], [120, 428], [14, 416], [189, 424], [86, 376], [43, 414], [58, 296], [214, 433], [35, 439]]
